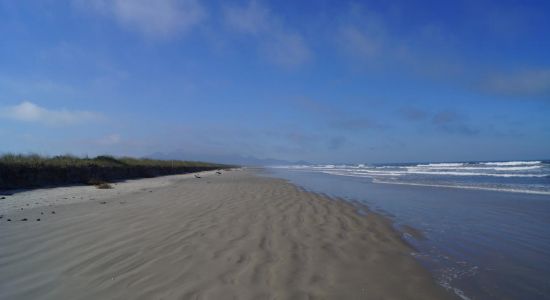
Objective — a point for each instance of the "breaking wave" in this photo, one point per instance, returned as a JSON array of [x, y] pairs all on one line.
[[518, 176]]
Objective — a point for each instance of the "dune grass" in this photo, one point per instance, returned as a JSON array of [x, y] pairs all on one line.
[[27, 171], [102, 160]]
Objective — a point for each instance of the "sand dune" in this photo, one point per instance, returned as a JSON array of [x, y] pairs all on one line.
[[229, 236]]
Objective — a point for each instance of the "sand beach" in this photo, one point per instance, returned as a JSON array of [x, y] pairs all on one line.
[[235, 235]]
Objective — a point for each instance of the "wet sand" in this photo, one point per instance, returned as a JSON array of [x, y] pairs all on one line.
[[229, 236]]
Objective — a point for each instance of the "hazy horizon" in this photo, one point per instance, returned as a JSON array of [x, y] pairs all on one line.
[[324, 82]]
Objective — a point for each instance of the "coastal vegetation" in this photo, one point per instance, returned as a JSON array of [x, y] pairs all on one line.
[[28, 171]]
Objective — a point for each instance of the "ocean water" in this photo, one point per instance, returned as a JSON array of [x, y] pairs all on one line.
[[486, 224], [515, 176]]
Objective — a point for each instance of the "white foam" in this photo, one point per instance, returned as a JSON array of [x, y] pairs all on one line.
[[441, 165], [421, 171], [517, 168], [512, 163], [436, 170], [453, 173], [478, 167]]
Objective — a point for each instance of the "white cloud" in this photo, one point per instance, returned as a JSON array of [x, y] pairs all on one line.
[[249, 19], [30, 112], [377, 38], [277, 44], [363, 33], [287, 50], [360, 43], [155, 19]]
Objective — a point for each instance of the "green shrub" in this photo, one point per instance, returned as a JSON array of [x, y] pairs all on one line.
[[32, 170]]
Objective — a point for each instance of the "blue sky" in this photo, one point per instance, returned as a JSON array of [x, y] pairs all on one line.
[[322, 81]]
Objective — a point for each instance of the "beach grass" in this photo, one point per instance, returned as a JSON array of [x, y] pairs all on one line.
[[32, 170]]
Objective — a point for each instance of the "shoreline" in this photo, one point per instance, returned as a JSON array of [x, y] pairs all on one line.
[[466, 187], [236, 234]]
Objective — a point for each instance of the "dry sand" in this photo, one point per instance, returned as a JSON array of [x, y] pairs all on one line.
[[229, 236], [26, 199]]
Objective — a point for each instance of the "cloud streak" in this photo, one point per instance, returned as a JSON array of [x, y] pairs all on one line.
[[526, 83], [448, 121], [451, 122], [412, 113], [360, 43], [277, 44], [354, 124], [153, 19], [32, 113], [250, 19]]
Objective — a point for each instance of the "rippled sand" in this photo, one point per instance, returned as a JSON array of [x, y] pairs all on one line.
[[229, 236]]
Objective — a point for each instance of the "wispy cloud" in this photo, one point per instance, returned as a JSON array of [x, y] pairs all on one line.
[[412, 113], [336, 117], [109, 140], [369, 37], [154, 19], [445, 117], [287, 49], [360, 43], [526, 83], [26, 87], [251, 19], [448, 121], [30, 112], [452, 122], [364, 34], [354, 124], [279, 45]]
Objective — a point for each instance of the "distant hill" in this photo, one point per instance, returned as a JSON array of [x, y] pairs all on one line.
[[234, 159]]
